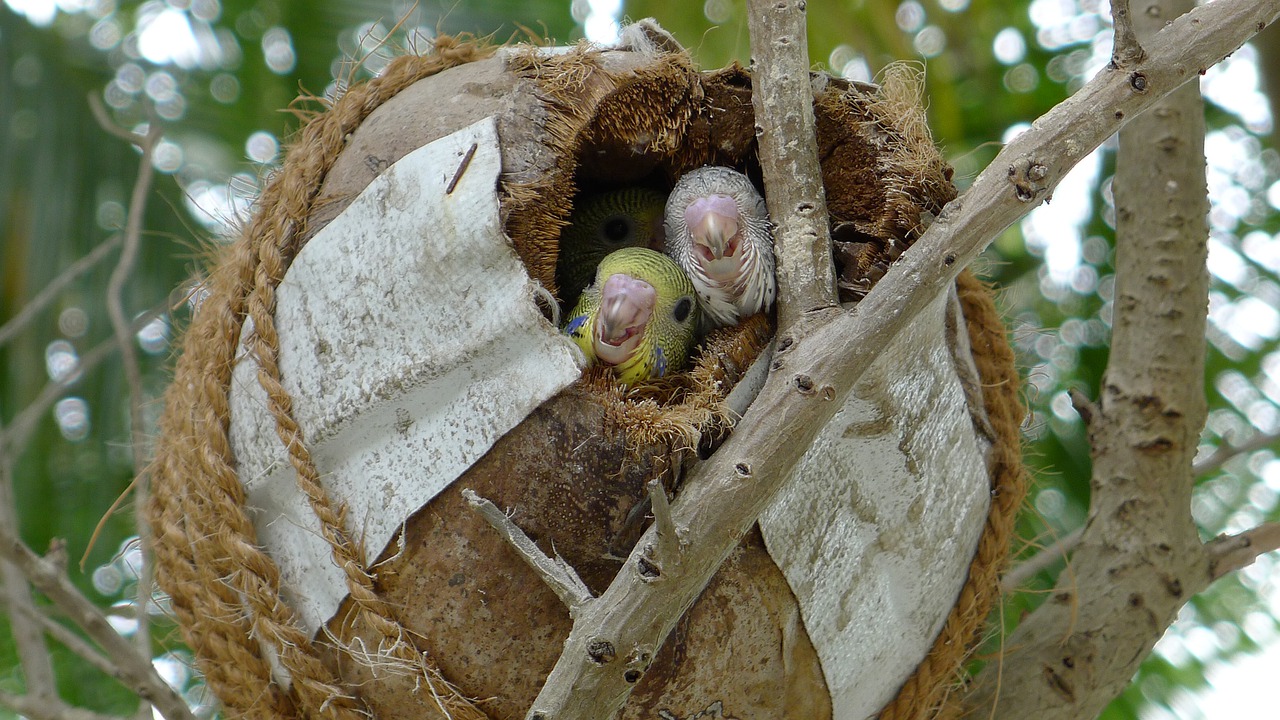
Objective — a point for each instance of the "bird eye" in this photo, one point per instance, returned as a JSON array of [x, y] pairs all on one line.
[[617, 229], [682, 309]]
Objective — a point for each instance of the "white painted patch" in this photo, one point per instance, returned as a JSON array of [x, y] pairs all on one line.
[[877, 527], [410, 342]]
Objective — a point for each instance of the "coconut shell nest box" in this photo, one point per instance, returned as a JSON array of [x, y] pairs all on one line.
[[374, 343]]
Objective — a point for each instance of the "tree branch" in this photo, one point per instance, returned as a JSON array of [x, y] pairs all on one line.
[[782, 98], [823, 355], [1014, 579], [1226, 451], [1139, 558], [33, 654], [1125, 48], [24, 423], [555, 572], [1228, 553], [50, 292], [34, 709], [134, 667], [120, 275]]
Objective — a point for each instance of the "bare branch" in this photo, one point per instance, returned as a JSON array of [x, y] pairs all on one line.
[[668, 537], [34, 709], [822, 357], [120, 276], [555, 572], [1226, 451], [1014, 579], [24, 423], [1229, 553], [33, 654], [1125, 48], [783, 102], [50, 292], [72, 642], [134, 667]]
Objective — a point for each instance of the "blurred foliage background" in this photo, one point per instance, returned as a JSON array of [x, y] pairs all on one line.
[[217, 74]]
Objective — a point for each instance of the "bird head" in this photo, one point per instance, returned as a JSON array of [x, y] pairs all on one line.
[[715, 227], [626, 304], [638, 317]]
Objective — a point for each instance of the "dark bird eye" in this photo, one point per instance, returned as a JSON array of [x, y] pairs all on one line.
[[683, 307], [616, 229]]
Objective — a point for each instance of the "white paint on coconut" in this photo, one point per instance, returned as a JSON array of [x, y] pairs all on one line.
[[410, 342], [876, 529]]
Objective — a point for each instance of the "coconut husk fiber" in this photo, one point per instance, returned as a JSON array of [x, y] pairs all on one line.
[[426, 630]]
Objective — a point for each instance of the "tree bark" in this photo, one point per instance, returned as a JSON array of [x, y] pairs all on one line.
[[1139, 558]]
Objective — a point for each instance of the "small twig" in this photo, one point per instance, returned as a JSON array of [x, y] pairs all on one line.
[[120, 276], [1226, 451], [24, 423], [555, 572], [33, 654], [132, 666], [1083, 406], [1229, 553], [1014, 579], [72, 642], [668, 544], [34, 709], [1125, 48], [50, 292]]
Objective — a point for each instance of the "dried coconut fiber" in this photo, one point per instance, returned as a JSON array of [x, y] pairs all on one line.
[[307, 588]]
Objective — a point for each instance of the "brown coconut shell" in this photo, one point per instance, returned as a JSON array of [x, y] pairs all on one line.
[[573, 475]]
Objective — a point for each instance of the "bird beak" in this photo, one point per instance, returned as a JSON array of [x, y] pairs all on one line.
[[626, 304], [713, 225]]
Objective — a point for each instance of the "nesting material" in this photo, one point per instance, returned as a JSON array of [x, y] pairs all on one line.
[[308, 510]]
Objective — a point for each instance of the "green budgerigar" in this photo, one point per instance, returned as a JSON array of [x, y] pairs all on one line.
[[601, 223], [637, 317], [717, 229]]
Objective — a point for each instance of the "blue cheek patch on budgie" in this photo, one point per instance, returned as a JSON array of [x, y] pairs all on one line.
[[575, 325], [660, 365]]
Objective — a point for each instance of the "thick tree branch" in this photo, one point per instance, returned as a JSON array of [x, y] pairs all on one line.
[[820, 359], [1228, 553], [1139, 558], [783, 104]]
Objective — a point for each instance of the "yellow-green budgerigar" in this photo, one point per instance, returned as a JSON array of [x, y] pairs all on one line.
[[601, 223], [638, 316], [717, 229]]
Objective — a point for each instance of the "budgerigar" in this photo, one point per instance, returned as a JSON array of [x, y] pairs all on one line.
[[637, 317], [717, 229], [601, 223]]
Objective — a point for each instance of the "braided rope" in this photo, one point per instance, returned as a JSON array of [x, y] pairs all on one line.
[[927, 693], [224, 588]]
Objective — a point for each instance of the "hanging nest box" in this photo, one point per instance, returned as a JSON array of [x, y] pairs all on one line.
[[374, 343]]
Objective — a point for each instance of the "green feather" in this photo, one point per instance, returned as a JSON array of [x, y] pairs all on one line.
[[667, 340], [601, 223]]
